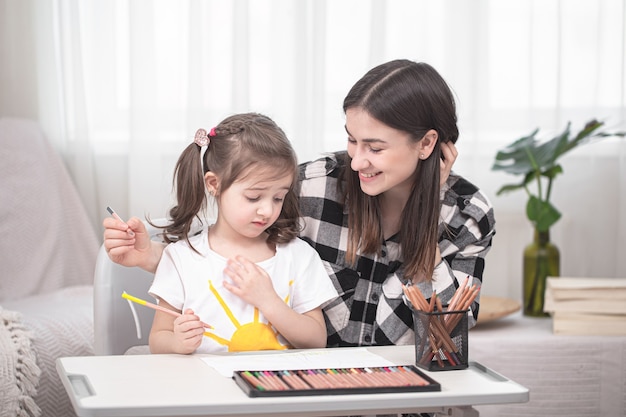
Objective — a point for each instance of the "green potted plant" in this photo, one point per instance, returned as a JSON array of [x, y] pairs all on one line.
[[536, 162]]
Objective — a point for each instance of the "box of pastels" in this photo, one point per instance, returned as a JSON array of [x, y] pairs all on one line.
[[334, 381]]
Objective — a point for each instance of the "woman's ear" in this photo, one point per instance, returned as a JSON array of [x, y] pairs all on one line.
[[212, 182], [427, 144]]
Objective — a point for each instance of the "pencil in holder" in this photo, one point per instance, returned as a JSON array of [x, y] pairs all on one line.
[[440, 340]]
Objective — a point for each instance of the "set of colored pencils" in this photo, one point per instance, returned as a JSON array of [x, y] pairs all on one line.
[[334, 378], [441, 324]]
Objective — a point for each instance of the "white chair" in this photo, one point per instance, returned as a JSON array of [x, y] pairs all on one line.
[[118, 323]]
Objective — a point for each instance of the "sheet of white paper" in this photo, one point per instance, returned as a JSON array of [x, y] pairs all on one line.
[[302, 359]]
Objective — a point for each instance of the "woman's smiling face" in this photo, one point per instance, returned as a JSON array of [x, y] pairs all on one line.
[[385, 158]]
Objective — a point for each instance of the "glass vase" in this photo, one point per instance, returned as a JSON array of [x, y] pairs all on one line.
[[541, 260]]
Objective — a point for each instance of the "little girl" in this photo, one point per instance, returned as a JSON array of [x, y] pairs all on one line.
[[247, 275]]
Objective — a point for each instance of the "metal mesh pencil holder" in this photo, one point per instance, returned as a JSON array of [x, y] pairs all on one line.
[[441, 340]]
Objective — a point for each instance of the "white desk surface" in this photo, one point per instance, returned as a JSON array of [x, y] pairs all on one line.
[[177, 385]]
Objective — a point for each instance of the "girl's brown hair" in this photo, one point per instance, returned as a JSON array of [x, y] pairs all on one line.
[[414, 98], [237, 145]]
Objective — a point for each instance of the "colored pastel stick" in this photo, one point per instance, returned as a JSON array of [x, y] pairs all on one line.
[[340, 378], [254, 381], [276, 377], [414, 376], [294, 380], [157, 307], [267, 382], [311, 379], [353, 374]]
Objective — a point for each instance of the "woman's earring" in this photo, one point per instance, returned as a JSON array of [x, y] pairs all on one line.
[[421, 156]]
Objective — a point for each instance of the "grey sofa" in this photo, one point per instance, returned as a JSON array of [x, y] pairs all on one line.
[[48, 250]]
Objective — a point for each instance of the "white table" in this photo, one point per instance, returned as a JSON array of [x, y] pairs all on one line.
[[177, 385], [573, 376]]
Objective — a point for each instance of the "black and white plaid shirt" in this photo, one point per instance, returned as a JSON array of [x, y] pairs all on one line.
[[370, 309]]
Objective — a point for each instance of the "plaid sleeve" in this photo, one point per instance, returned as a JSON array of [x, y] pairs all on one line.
[[466, 229]]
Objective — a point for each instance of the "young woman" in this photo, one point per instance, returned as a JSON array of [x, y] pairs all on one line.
[[379, 214], [247, 275], [387, 211]]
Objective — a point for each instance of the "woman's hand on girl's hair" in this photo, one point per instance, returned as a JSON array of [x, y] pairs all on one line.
[[449, 154], [128, 250]]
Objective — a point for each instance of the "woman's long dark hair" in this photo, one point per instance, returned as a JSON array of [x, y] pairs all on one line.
[[414, 98], [239, 143]]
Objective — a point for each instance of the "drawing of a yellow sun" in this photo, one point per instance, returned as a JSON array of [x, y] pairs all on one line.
[[250, 336]]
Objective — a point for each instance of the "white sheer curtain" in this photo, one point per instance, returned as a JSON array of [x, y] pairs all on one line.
[[124, 84]]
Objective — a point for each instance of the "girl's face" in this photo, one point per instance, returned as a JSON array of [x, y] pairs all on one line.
[[251, 205], [384, 157]]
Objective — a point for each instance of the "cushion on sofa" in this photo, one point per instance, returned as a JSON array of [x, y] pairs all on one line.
[[47, 240]]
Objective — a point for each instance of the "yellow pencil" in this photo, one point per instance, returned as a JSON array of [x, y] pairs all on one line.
[[157, 307]]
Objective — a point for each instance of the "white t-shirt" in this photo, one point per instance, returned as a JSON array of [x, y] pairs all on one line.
[[186, 279]]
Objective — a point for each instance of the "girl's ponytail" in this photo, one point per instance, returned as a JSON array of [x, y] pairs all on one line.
[[190, 194]]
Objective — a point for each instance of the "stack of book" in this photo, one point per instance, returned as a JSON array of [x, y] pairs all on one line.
[[586, 306]]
